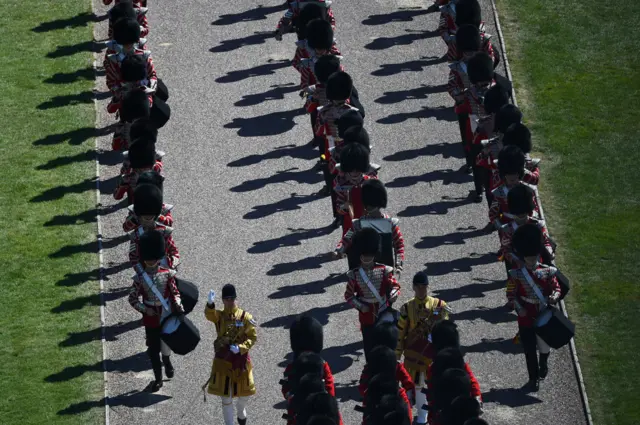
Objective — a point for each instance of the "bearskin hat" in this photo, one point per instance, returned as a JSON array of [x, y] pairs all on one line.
[[124, 9], [367, 242], [374, 194], [325, 66], [339, 86], [143, 128], [520, 200], [518, 135], [321, 420], [151, 177], [142, 153], [452, 383], [126, 31], [461, 409], [357, 135], [468, 12], [392, 410], [347, 120], [480, 68], [354, 157], [147, 200], [380, 385], [447, 358], [134, 68], [445, 335], [309, 13], [382, 360], [495, 98], [304, 363], [319, 34], [152, 246], [468, 39], [506, 116], [309, 383], [527, 240], [511, 160], [385, 333], [319, 404], [135, 104], [306, 334]]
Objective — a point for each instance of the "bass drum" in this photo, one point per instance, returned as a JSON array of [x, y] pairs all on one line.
[[180, 334], [162, 92], [188, 294], [160, 112]]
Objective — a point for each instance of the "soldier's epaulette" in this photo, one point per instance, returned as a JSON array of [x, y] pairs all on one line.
[[500, 191], [395, 221], [534, 162], [167, 207], [141, 11], [374, 167], [301, 43], [545, 271]]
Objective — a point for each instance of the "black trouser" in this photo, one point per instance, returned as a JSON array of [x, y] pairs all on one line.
[[367, 339], [462, 122], [487, 187], [153, 350], [479, 173], [314, 118], [529, 342]]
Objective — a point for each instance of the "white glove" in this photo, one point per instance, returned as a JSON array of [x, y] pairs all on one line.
[[234, 349], [212, 296], [479, 399]]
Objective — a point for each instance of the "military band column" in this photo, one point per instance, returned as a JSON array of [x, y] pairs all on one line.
[[413, 356]]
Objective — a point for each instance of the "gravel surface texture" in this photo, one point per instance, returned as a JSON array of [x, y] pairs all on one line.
[[239, 175]]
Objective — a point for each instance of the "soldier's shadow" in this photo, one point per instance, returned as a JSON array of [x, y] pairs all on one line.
[[243, 74], [294, 238], [270, 124], [314, 262], [321, 314], [447, 177], [441, 207], [402, 15], [309, 288], [412, 66], [293, 151], [258, 14], [292, 203], [300, 177]]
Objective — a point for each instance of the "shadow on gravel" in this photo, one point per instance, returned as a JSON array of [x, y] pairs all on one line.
[[292, 203], [348, 391], [382, 43], [493, 315], [308, 263], [447, 177], [292, 151], [70, 50], [441, 207], [68, 160], [460, 265], [310, 288], [447, 150], [276, 92], [402, 95], [472, 290], [132, 399], [85, 74], [511, 397], [74, 137], [258, 14], [72, 99], [135, 363], [321, 314], [441, 113], [402, 15], [457, 238], [81, 20], [258, 37], [107, 243], [295, 238], [303, 176], [89, 300], [111, 333], [413, 66], [505, 346], [75, 279], [243, 74], [340, 357], [270, 124]]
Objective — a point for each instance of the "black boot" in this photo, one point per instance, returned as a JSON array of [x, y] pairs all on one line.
[[532, 369], [544, 367], [242, 421], [168, 367], [154, 386]]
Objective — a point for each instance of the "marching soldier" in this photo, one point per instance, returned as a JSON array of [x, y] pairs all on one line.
[[154, 282], [142, 157], [232, 370], [126, 9], [372, 288], [529, 288], [417, 318], [290, 21]]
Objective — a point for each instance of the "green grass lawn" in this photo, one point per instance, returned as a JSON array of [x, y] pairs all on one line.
[[50, 352], [577, 74]]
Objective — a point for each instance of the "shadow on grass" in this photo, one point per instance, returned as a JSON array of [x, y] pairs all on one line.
[[243, 74], [111, 333], [60, 191], [84, 217], [75, 279], [68, 160], [292, 203], [295, 238], [107, 243], [258, 37], [319, 313], [412, 66], [382, 43], [81, 20], [269, 124], [258, 14], [74, 137], [135, 363], [447, 177], [276, 92], [73, 99], [89, 300], [308, 263], [310, 288], [447, 150], [72, 49], [132, 399], [439, 208], [300, 177], [390, 97], [84, 74]]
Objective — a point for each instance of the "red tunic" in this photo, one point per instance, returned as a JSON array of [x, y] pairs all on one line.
[[164, 280], [172, 255], [457, 84], [485, 43], [434, 416], [500, 205], [506, 231], [112, 63], [303, 60], [348, 192], [402, 376], [520, 292], [398, 240], [358, 294], [127, 182], [293, 11], [329, 387]]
